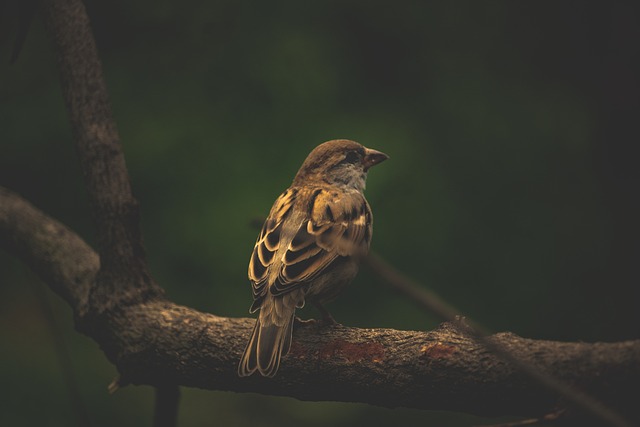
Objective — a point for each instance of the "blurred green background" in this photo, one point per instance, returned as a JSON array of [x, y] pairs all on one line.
[[512, 189]]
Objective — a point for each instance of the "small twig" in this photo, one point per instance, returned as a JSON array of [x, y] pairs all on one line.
[[433, 303], [114, 385], [165, 413], [422, 296]]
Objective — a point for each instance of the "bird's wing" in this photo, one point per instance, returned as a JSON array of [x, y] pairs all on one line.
[[336, 224], [269, 241]]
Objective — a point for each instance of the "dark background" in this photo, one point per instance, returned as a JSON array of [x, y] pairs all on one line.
[[512, 189]]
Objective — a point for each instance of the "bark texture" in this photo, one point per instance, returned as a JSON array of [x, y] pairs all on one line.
[[124, 277]]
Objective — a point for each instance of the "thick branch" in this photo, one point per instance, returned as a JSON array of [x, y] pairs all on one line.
[[124, 276], [160, 343], [441, 369]]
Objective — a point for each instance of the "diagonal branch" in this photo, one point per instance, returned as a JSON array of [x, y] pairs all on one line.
[[58, 255], [124, 275], [160, 343], [573, 397]]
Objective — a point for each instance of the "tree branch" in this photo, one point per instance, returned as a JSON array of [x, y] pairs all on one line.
[[123, 277], [158, 342], [60, 257]]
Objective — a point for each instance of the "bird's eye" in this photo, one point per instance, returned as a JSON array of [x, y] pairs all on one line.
[[352, 157]]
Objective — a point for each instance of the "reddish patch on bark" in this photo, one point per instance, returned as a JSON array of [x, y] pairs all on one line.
[[437, 350], [352, 352], [297, 350]]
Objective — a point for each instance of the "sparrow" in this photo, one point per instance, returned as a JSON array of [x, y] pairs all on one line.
[[309, 247]]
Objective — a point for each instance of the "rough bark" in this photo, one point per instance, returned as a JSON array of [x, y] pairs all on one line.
[[124, 277], [159, 343]]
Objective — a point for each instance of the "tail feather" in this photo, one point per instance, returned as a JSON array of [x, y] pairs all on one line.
[[273, 343], [267, 345]]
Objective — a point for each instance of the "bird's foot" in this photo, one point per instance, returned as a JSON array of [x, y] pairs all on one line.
[[327, 318]]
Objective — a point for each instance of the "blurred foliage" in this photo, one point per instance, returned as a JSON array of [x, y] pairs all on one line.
[[512, 188]]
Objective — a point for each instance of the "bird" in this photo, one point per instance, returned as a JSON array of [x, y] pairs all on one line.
[[309, 247]]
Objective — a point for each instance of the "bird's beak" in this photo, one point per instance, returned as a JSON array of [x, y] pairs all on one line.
[[373, 157]]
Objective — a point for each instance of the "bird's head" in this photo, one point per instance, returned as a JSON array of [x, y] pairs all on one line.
[[339, 162]]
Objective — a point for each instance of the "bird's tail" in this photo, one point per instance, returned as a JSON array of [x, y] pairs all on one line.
[[270, 339]]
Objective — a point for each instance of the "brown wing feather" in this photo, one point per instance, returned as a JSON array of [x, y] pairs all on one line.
[[336, 226], [268, 242]]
